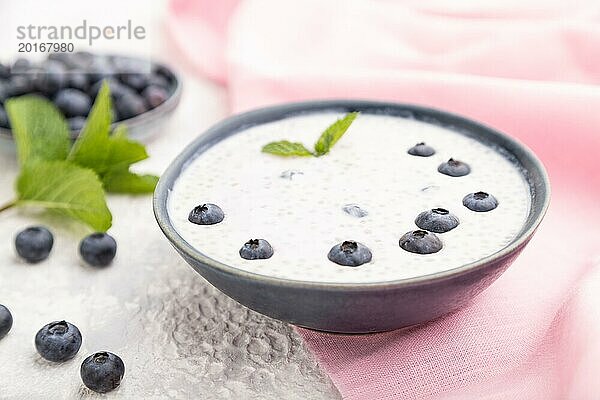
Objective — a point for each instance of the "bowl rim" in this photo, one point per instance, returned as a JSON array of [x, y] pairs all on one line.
[[142, 119], [223, 129]]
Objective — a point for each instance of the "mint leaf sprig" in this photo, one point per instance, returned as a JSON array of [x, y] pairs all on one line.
[[72, 180], [326, 141]]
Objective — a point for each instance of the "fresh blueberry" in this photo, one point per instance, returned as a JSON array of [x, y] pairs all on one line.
[[18, 85], [4, 91], [350, 254], [155, 95], [79, 81], [454, 167], [137, 81], [421, 150], [355, 210], [58, 341], [98, 249], [34, 244], [256, 249], [160, 80], [290, 174], [73, 103], [102, 372], [4, 71], [129, 105], [117, 89], [20, 65], [4, 123], [6, 321], [76, 123], [420, 242], [206, 214], [438, 220], [480, 202], [100, 69], [52, 78]]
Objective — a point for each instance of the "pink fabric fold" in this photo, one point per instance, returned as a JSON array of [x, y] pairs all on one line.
[[531, 69]]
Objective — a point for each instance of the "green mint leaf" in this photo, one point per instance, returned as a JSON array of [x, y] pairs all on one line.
[[286, 149], [65, 188], [333, 133], [39, 129], [128, 182], [110, 156]]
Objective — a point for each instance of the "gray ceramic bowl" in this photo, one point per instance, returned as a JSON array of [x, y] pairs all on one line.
[[357, 308]]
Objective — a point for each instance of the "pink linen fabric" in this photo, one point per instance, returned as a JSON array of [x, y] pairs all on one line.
[[531, 69]]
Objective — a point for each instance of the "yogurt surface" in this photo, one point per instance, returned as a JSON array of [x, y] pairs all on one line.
[[302, 214]]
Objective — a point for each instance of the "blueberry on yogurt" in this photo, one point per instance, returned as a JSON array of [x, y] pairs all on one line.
[[438, 220], [454, 168], [350, 254], [420, 242], [480, 202], [58, 341], [256, 249], [421, 150], [206, 214]]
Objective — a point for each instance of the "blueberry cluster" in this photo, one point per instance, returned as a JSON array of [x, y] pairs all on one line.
[[34, 245], [352, 253], [72, 81]]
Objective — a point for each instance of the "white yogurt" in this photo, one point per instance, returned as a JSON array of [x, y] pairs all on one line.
[[303, 217]]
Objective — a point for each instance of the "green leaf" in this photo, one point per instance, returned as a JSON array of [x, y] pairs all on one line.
[[39, 129], [287, 149], [333, 133], [65, 188], [110, 156], [129, 182]]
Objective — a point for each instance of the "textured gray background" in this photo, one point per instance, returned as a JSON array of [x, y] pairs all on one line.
[[179, 337]]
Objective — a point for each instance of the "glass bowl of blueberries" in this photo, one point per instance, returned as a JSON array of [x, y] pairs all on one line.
[[145, 93]]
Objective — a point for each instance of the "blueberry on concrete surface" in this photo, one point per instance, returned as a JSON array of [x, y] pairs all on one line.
[[421, 150], [480, 202], [350, 254], [438, 220], [206, 214], [34, 244], [73, 103], [420, 242], [102, 372], [256, 249], [454, 168], [6, 321], [98, 249], [58, 341]]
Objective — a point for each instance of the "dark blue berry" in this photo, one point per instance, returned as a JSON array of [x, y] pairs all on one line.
[[76, 123], [256, 249], [355, 210], [20, 65], [438, 220], [98, 249], [159, 80], [73, 103], [350, 254], [130, 105], [4, 71], [155, 95], [58, 341], [102, 372], [51, 78], [18, 85], [454, 167], [78, 80], [420, 242], [34, 244], [117, 89], [421, 150], [3, 118], [480, 202], [137, 81], [206, 214], [6, 321]]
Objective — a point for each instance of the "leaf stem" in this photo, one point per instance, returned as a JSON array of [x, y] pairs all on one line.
[[8, 205]]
